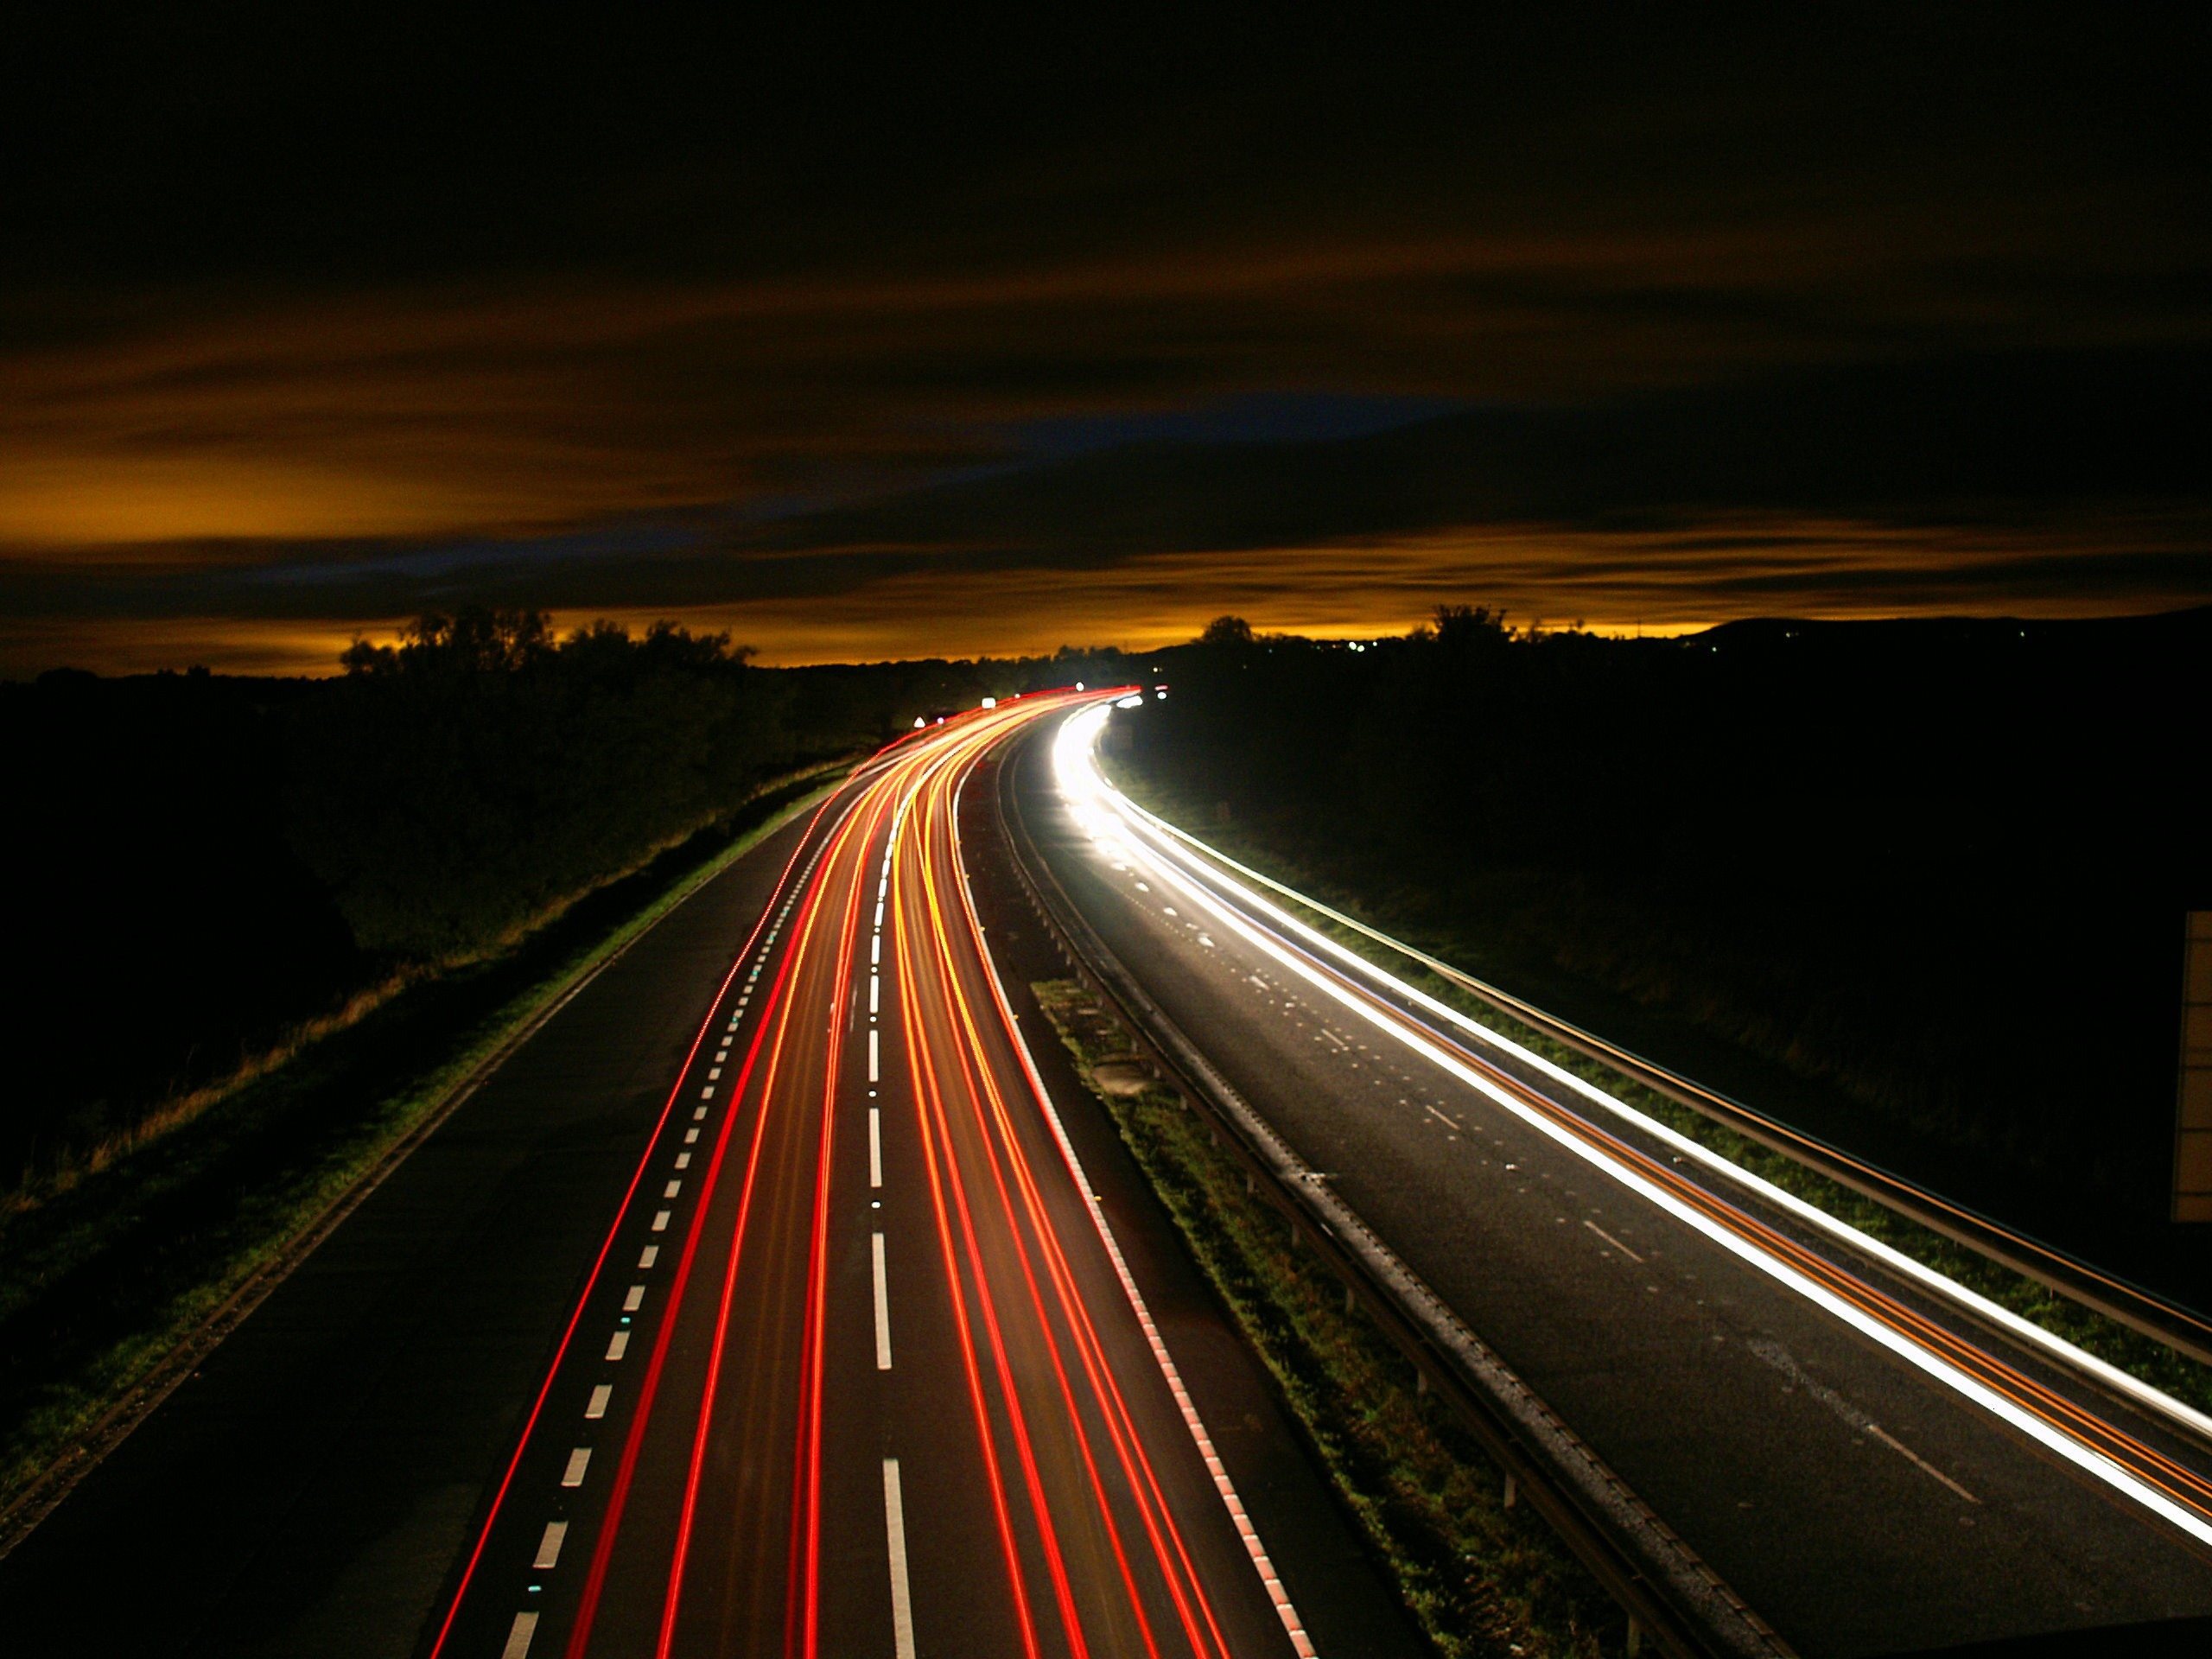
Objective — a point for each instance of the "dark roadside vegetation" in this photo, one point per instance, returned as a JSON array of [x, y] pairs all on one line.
[[261, 926], [1916, 887]]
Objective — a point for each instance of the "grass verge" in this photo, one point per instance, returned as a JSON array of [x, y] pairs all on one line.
[[106, 1279], [1481, 1578], [2117, 1345]]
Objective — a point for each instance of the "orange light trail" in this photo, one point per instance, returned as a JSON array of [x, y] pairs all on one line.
[[1080, 1512], [1011, 1179], [1098, 1373]]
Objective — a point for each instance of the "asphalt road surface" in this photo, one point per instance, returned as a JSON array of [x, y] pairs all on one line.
[[765, 1308], [1798, 1440]]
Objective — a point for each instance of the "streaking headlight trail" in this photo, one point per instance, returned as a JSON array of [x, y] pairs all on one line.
[[1123, 831]]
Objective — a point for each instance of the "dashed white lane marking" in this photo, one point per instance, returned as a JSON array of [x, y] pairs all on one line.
[[875, 950], [518, 1635], [549, 1547], [595, 1408], [875, 1147], [872, 1057], [690, 1137], [706, 1093], [684, 1160], [618, 1344], [1610, 1240], [874, 994], [1447, 1123], [1853, 1419], [883, 1306], [651, 1255], [902, 1598], [1919, 1462], [698, 1111], [631, 1302], [671, 1189], [660, 1220], [879, 913], [579, 1460], [715, 1072]]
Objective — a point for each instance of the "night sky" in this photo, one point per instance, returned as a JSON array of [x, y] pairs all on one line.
[[945, 340]]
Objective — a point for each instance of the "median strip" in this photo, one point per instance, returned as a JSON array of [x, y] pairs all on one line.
[[1478, 1576]]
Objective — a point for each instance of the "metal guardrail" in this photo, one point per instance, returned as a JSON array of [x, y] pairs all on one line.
[[1661, 1584]]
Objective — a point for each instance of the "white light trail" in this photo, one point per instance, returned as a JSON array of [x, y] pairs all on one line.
[[1119, 828]]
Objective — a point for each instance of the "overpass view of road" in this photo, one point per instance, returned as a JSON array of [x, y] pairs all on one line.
[[875, 1353], [1876, 1459], [859, 1368], [873, 1343]]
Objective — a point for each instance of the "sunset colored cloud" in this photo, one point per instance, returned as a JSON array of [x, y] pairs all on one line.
[[1084, 347]]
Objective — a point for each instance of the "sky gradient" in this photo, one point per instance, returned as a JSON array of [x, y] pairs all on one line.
[[859, 344]]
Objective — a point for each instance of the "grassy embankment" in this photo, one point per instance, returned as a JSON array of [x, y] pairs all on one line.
[[2117, 1345], [1480, 1577], [106, 1274]]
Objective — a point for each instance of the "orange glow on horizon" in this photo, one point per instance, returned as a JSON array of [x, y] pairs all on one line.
[[1650, 582]]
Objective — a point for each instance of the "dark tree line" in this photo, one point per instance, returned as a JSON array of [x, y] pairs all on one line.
[[202, 862], [1935, 870], [448, 790]]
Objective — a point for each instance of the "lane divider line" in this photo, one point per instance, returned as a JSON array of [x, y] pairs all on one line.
[[894, 1528], [883, 1306]]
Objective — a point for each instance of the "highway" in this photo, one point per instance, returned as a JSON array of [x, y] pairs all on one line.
[[1875, 1462], [754, 1304], [859, 1368]]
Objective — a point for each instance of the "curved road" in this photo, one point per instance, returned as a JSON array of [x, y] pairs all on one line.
[[1874, 1462], [859, 1368]]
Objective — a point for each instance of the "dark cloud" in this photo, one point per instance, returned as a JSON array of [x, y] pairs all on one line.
[[310, 317]]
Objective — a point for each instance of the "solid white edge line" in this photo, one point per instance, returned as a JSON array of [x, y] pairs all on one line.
[[2096, 1463], [1270, 1581], [894, 1529]]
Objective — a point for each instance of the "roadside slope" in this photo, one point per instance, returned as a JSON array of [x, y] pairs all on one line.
[[307, 1489]]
